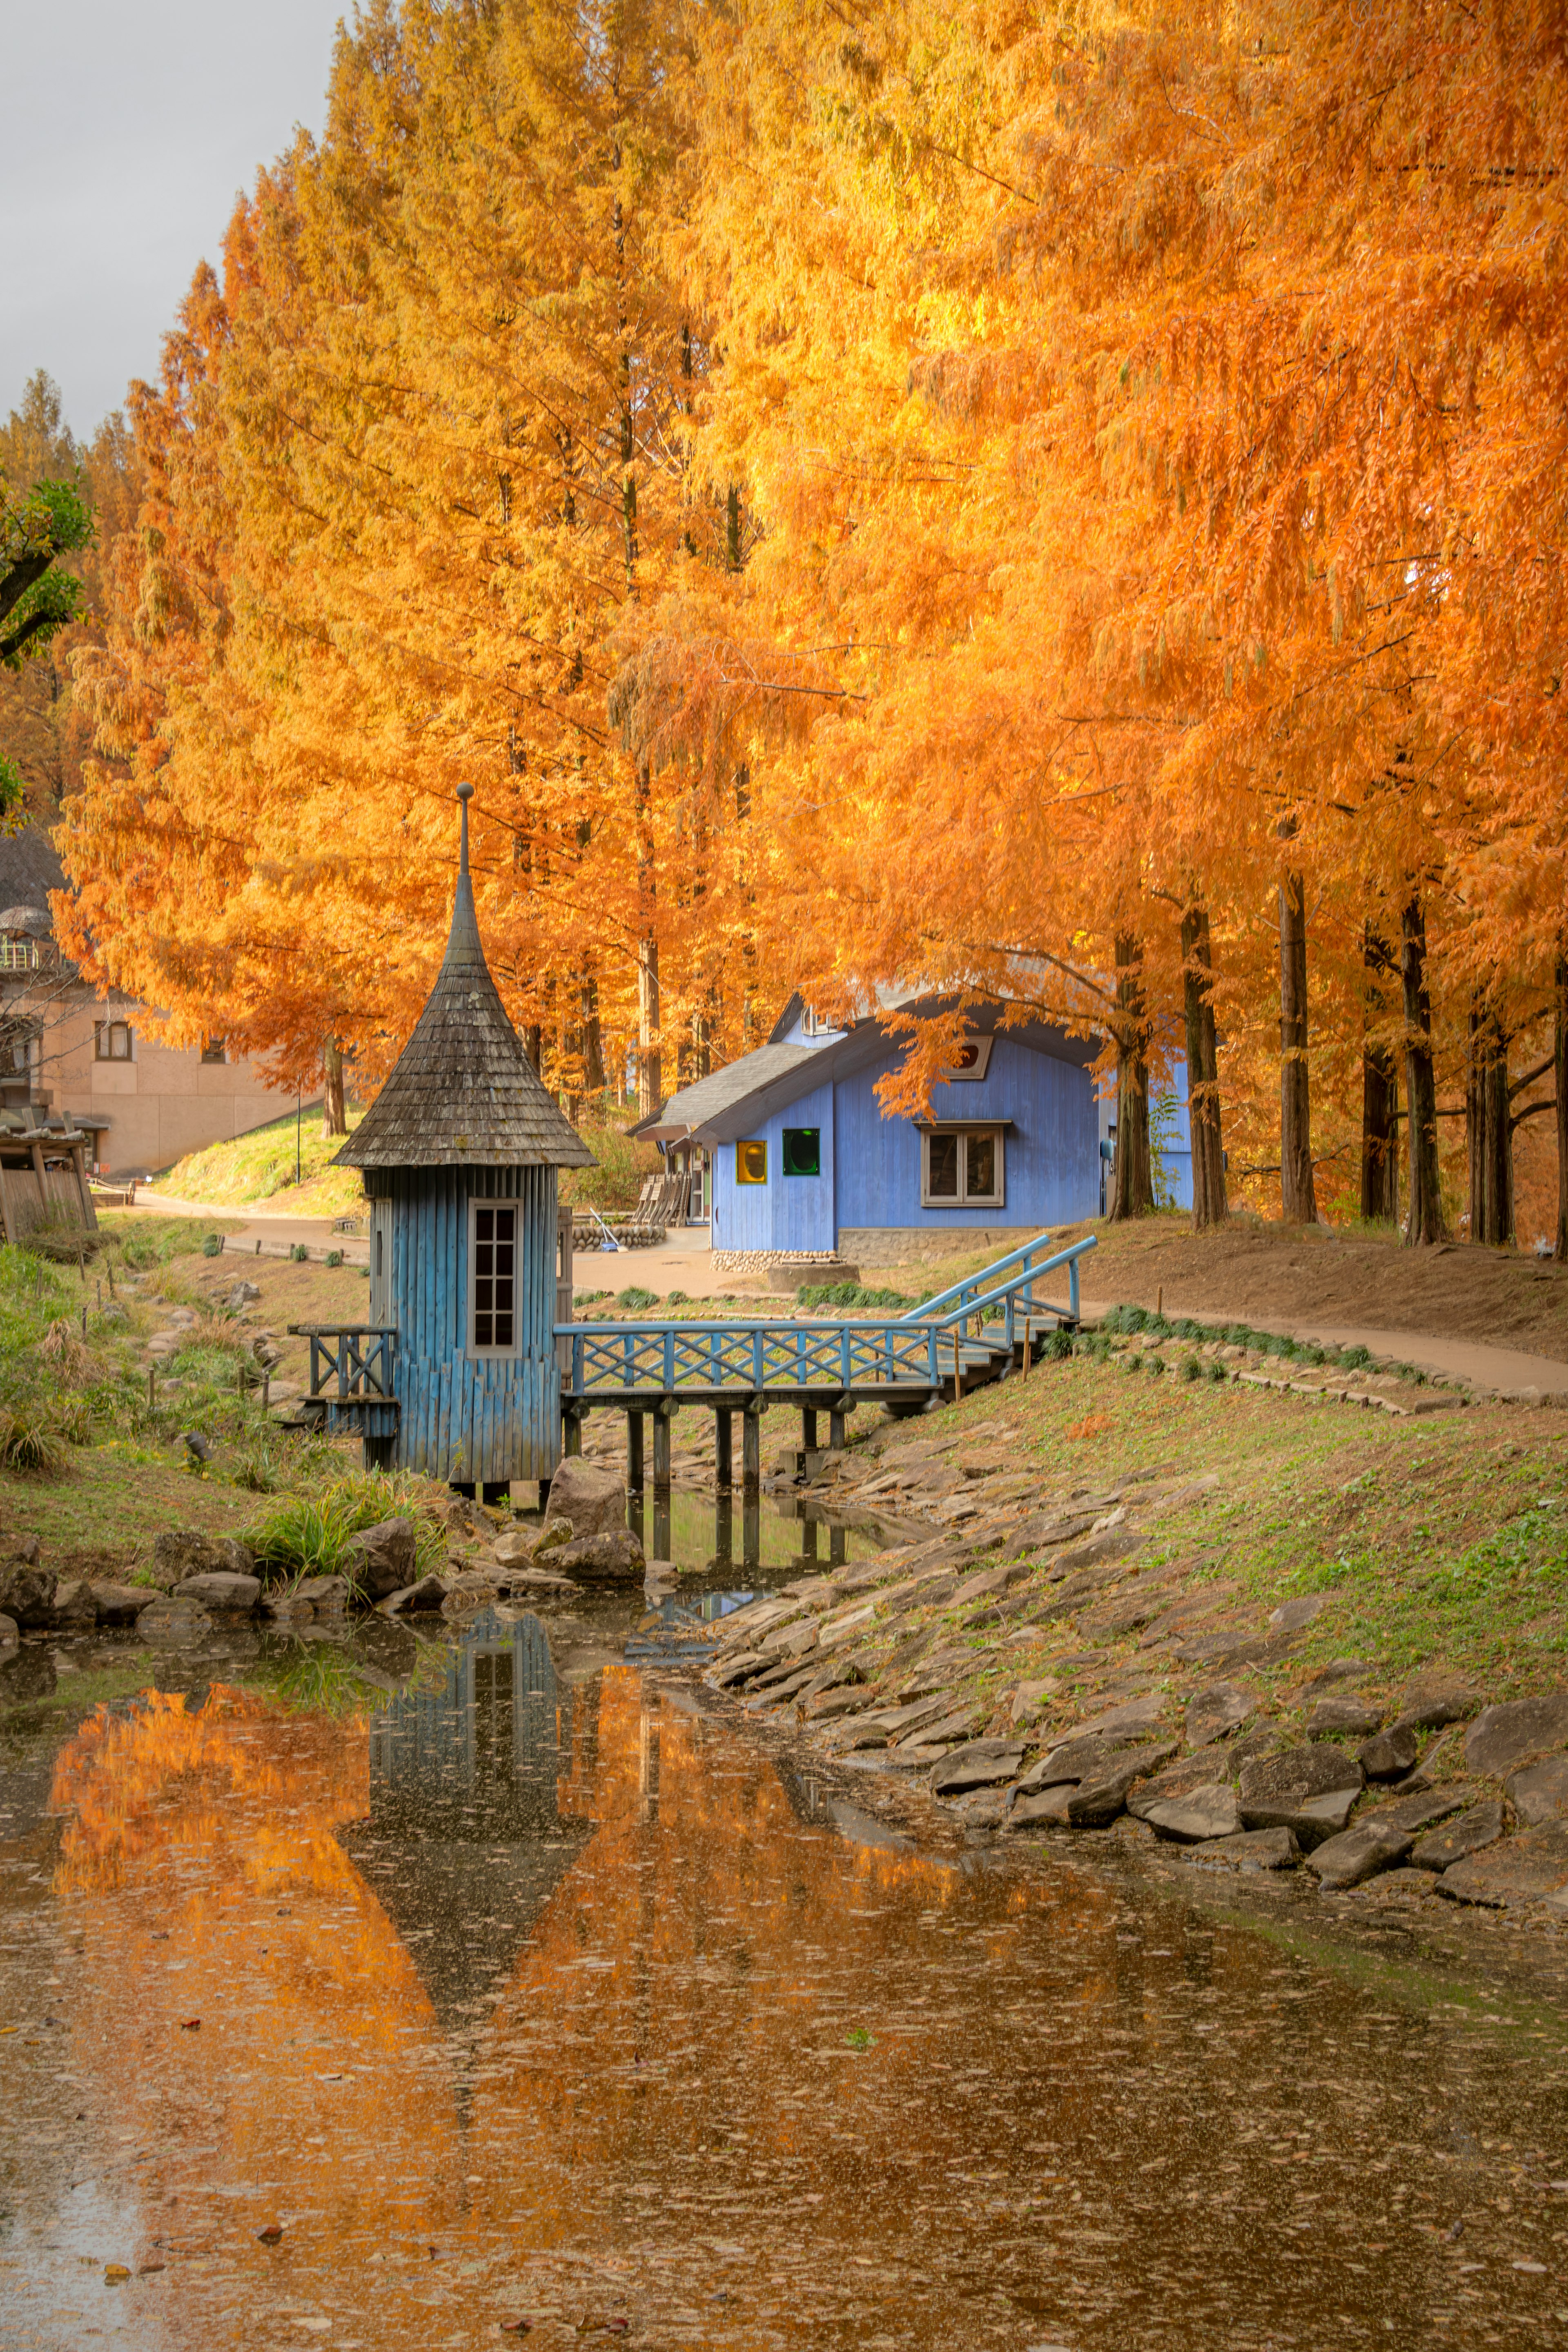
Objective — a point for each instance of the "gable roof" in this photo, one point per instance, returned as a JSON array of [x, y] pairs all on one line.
[[29, 869], [723, 1090], [463, 1093]]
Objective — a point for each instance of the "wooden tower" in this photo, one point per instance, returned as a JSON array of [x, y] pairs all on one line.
[[460, 1152]]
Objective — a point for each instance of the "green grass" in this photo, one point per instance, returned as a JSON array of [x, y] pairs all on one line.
[[260, 1166], [309, 1534]]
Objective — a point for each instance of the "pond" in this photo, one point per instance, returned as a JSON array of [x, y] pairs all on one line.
[[540, 1988]]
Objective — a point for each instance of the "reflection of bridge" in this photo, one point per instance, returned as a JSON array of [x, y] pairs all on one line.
[[466, 1843]]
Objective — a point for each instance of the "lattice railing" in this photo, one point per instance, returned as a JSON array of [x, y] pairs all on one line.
[[754, 1356], [350, 1363]]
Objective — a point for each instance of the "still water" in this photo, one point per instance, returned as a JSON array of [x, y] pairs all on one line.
[[519, 1997]]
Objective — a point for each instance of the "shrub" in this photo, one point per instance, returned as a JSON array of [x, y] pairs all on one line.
[[257, 1469], [309, 1534], [1057, 1346], [213, 1245], [335, 1257], [635, 1298], [812, 1295], [1192, 1369], [29, 1439], [300, 1254]]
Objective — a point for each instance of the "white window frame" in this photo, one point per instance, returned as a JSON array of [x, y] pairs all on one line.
[[964, 1198], [478, 1202]]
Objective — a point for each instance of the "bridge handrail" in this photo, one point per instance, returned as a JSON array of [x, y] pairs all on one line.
[[964, 1296]]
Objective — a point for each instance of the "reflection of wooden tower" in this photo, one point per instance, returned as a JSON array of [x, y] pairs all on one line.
[[460, 1152], [463, 1804]]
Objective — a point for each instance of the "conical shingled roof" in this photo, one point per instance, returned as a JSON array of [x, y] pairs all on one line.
[[463, 1093]]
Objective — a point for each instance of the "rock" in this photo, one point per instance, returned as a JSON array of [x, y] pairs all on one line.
[[1530, 1868], [27, 1594], [1134, 1717], [285, 1608], [179, 1552], [173, 1623], [1338, 1670], [221, 1589], [1099, 1798], [1539, 1793], [428, 1593], [1406, 1885], [243, 1293], [1203, 1771], [516, 1547], [1308, 1790], [979, 1764], [983, 1809], [1508, 1735], [380, 1559], [1428, 1708], [121, 1605], [1207, 1812], [1388, 1755], [468, 1589], [1358, 1853], [1464, 1834], [1291, 1615], [29, 1551], [1419, 1813], [74, 1603], [1069, 1761], [10, 1632], [559, 1532], [1348, 1713], [1273, 1849], [613, 1551], [594, 1500], [1048, 1810], [328, 1595], [1217, 1711]]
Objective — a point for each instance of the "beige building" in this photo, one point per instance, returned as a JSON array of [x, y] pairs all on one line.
[[101, 1062]]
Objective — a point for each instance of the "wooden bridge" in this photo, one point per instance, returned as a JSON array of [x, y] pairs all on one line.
[[981, 1330]]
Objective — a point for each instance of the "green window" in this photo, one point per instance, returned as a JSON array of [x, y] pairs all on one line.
[[803, 1152]]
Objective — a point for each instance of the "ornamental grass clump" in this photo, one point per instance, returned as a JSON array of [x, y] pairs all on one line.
[[309, 1535]]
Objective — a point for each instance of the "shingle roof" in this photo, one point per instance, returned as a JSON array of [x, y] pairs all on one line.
[[710, 1097], [463, 1093]]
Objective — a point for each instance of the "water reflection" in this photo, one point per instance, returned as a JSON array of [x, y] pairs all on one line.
[[681, 1524]]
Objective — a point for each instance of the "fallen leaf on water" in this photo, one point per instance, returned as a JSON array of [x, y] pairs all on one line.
[[516, 2327], [145, 2270], [190, 2025], [113, 2273], [271, 2233]]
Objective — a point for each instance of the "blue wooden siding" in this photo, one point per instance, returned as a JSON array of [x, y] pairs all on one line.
[[787, 1212], [871, 1165], [480, 1418]]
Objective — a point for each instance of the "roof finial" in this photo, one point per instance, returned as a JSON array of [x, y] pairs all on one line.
[[465, 795]]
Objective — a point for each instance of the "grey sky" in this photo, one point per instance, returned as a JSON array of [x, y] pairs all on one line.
[[128, 131]]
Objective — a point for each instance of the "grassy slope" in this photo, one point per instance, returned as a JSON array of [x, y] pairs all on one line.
[[259, 1167]]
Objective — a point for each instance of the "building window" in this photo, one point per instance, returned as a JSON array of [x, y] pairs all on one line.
[[971, 1061], [20, 955], [751, 1163], [962, 1168], [492, 1277], [214, 1050], [802, 1152], [112, 1041]]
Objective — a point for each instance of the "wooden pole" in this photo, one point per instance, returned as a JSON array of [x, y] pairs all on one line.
[[661, 1429], [634, 1453], [724, 1450], [752, 1449], [1028, 1346], [957, 1368]]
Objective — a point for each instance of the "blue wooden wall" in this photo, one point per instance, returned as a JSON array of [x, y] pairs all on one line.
[[470, 1418], [871, 1164]]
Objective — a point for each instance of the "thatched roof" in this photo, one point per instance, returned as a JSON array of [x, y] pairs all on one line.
[[463, 1093]]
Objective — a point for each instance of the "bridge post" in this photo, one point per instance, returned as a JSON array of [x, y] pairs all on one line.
[[808, 1428], [836, 1547], [662, 1416], [634, 1453], [572, 1433], [835, 1432], [724, 1449], [751, 1445]]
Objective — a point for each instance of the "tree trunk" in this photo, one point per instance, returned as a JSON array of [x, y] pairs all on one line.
[[334, 1117], [593, 1038], [1560, 1068], [1489, 1129], [533, 1046], [1297, 1193], [650, 1077], [1209, 1204], [1134, 1191], [1379, 1094], [1420, 1085]]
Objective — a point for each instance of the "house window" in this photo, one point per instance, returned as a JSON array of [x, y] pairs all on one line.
[[113, 1042], [802, 1153], [492, 1277], [751, 1163], [962, 1168], [972, 1060], [214, 1050]]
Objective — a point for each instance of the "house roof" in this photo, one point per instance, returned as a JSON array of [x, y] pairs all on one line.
[[463, 1093], [29, 869], [708, 1098]]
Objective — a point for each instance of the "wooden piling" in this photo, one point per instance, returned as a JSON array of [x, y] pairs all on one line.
[[661, 1431], [752, 1449], [724, 1450], [634, 1453]]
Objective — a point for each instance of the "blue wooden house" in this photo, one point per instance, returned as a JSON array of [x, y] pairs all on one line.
[[455, 1375], [791, 1152]]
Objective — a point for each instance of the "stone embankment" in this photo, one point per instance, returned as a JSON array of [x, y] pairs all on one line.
[[919, 1664]]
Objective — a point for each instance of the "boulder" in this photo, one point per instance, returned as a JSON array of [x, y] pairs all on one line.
[[613, 1551], [74, 1603], [1539, 1793], [468, 1589], [1291, 1615], [1214, 1712], [1069, 1761], [10, 1632], [1127, 1722], [243, 1295], [979, 1764], [1419, 1813], [1530, 1868], [594, 1500], [221, 1590], [1213, 1811], [27, 1594], [285, 1607], [1100, 1797], [1203, 1771], [29, 1552], [1358, 1852], [1466, 1833], [983, 1809], [1390, 1754], [121, 1605], [1308, 1790], [1048, 1810], [328, 1595], [380, 1559], [1429, 1707], [516, 1547], [428, 1593], [179, 1552], [237, 1558], [172, 1625], [1349, 1713], [1273, 1849], [1504, 1737]]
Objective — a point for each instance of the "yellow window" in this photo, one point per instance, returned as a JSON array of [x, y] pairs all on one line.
[[751, 1163]]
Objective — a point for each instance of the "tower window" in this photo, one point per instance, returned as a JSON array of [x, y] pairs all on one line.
[[492, 1277]]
